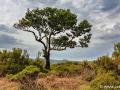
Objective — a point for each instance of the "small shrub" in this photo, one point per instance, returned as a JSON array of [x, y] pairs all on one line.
[[3, 70], [42, 75], [88, 70], [29, 84], [39, 63], [9, 76], [29, 71], [12, 62], [104, 79], [67, 68], [88, 75], [106, 63]]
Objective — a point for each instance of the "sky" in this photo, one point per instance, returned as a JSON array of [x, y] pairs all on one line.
[[104, 15]]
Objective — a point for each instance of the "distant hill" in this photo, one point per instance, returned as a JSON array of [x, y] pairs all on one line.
[[53, 61], [61, 61], [57, 61]]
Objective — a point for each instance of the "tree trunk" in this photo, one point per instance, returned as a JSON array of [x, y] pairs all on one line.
[[47, 59]]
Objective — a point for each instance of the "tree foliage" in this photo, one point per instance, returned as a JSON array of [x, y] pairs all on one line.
[[55, 29], [49, 22]]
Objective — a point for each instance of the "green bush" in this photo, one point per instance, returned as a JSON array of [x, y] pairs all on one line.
[[12, 62], [88, 74], [69, 68], [29, 71], [3, 70], [103, 80], [88, 70], [9, 76], [106, 63], [39, 63]]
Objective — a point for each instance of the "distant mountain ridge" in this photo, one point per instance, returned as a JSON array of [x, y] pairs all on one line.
[[61, 61], [53, 61], [57, 61]]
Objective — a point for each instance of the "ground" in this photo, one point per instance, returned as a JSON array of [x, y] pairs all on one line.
[[51, 83]]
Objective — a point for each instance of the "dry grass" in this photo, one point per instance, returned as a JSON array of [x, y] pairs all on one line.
[[64, 83], [47, 83], [29, 84], [8, 85]]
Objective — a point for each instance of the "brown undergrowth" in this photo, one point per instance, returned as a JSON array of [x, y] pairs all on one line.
[[62, 83], [51, 82], [8, 85]]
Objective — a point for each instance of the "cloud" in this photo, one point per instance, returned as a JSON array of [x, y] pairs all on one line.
[[46, 2], [7, 29], [110, 4], [111, 35], [7, 41], [103, 15]]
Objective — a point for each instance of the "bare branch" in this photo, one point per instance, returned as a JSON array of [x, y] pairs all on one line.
[[36, 37], [58, 48]]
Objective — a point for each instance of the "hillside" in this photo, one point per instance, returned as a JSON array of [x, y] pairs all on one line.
[[29, 74]]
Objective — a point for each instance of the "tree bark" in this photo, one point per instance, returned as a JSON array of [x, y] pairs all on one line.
[[47, 59]]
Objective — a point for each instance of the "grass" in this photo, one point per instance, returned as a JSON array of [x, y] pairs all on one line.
[[51, 82], [84, 87], [63, 83], [8, 85]]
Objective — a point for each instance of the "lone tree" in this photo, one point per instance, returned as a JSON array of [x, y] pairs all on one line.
[[57, 29]]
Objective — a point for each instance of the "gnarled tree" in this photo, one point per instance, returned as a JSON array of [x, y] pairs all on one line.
[[57, 29]]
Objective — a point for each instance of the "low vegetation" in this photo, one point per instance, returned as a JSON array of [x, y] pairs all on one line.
[[19, 72]]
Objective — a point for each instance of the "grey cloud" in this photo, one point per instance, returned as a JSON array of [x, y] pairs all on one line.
[[117, 27], [82, 14], [47, 2], [113, 35], [7, 29], [110, 37], [101, 13], [7, 41], [67, 5], [110, 4]]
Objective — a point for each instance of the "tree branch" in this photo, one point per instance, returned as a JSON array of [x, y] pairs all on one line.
[[58, 48], [49, 42], [36, 38]]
